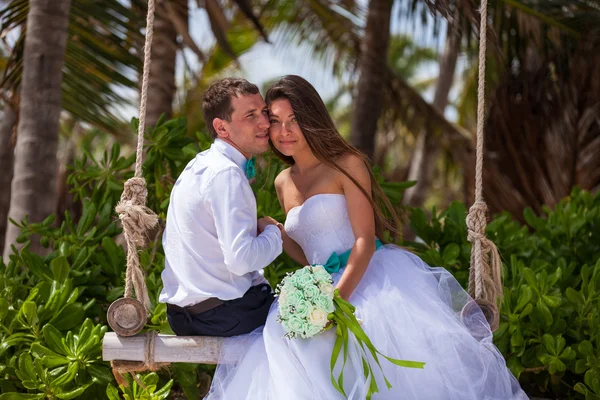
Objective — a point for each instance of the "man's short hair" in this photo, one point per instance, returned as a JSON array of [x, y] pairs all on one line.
[[216, 101]]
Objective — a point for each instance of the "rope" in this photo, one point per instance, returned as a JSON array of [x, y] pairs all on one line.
[[136, 218], [144, 95], [120, 368], [485, 284]]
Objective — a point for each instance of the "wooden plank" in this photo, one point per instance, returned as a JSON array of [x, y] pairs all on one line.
[[168, 348]]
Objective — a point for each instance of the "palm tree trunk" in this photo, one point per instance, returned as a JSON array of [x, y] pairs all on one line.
[[373, 69], [426, 150], [65, 200], [161, 81], [33, 184], [7, 126]]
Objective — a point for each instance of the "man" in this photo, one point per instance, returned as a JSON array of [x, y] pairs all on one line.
[[214, 244]]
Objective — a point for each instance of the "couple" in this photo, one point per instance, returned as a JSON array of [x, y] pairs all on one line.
[[216, 248]]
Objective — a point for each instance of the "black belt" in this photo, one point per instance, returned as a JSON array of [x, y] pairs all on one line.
[[198, 308]]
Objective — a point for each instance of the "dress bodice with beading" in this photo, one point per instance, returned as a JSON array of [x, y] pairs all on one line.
[[321, 226]]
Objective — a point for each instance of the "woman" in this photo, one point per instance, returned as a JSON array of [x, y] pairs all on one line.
[[409, 310]]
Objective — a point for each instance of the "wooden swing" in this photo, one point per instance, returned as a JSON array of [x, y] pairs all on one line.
[[131, 352]]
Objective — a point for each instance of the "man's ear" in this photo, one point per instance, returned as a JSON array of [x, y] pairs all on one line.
[[220, 126]]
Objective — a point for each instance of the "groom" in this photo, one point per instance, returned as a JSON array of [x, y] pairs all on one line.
[[214, 245]]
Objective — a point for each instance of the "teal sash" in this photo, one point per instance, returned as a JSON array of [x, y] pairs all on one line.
[[339, 261]]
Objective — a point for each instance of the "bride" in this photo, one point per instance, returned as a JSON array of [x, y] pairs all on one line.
[[409, 310]]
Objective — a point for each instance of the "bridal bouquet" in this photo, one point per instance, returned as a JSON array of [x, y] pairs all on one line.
[[309, 304]]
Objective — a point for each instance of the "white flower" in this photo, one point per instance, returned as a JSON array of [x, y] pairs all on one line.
[[283, 298], [326, 288], [321, 274], [318, 318]]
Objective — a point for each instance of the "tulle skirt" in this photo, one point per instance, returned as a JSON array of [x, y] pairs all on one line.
[[410, 311]]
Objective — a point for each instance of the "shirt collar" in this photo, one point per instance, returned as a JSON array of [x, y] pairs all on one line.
[[230, 152]]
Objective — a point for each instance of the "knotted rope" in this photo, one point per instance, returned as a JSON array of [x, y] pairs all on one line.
[[122, 367], [485, 282], [137, 220]]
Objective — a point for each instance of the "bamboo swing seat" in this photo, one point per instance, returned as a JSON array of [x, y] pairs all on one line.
[[167, 348]]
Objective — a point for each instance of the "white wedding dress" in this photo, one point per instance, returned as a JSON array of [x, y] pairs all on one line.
[[409, 310]]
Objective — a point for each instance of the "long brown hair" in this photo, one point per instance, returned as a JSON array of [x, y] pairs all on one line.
[[327, 144]]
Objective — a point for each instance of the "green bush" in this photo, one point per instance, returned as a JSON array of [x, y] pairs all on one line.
[[53, 308], [550, 313]]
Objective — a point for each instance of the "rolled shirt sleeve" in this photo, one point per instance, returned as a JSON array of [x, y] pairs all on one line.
[[233, 206]]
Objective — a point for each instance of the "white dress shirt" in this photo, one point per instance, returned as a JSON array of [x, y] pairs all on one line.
[[211, 244]]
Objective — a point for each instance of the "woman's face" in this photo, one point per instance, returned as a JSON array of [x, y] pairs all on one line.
[[284, 132]]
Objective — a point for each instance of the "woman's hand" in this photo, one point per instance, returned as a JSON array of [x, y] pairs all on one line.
[[342, 292], [265, 221]]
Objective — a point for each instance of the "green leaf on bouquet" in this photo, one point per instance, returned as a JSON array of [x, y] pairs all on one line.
[[346, 321], [337, 348]]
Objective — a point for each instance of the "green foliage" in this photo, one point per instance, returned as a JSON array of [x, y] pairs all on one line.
[[53, 308], [48, 346], [133, 391], [550, 313], [97, 61], [445, 239]]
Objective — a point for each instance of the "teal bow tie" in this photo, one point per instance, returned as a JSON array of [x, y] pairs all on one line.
[[339, 261], [250, 168]]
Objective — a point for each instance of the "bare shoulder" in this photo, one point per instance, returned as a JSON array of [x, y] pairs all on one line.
[[353, 165], [281, 179], [352, 161]]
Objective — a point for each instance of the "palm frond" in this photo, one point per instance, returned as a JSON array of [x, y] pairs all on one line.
[[219, 24], [543, 135], [100, 57], [246, 8], [517, 25], [405, 104], [323, 28], [218, 63]]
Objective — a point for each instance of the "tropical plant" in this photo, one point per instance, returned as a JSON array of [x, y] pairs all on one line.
[[33, 194], [95, 57], [550, 311], [543, 136]]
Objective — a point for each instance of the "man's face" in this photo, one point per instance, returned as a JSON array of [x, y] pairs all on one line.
[[248, 129]]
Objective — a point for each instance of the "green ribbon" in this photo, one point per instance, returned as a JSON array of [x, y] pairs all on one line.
[[339, 261], [250, 168], [346, 322]]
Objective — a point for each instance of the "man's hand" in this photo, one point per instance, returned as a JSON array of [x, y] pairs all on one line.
[[264, 221]]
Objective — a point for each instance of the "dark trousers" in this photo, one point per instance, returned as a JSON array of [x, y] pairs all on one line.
[[233, 317]]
